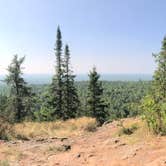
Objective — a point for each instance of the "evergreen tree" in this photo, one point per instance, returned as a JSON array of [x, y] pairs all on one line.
[[70, 97], [57, 83], [159, 85], [159, 82], [20, 94], [95, 102], [154, 105]]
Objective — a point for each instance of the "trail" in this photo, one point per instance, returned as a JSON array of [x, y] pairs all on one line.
[[100, 148]]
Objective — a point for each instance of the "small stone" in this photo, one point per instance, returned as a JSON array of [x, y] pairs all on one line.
[[79, 155]]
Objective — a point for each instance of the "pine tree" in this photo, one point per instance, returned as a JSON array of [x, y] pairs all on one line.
[[95, 102], [56, 86], [20, 93], [154, 105], [70, 96], [159, 81], [159, 84]]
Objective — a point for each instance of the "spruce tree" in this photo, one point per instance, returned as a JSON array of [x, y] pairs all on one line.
[[154, 105], [70, 96], [57, 84], [159, 86], [95, 102], [20, 93], [159, 82]]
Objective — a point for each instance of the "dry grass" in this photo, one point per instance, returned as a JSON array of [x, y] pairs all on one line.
[[10, 153], [140, 134], [51, 129], [6, 129], [4, 163]]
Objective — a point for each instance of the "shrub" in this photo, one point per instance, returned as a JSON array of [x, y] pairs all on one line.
[[6, 129], [91, 127], [155, 115], [4, 163], [127, 130]]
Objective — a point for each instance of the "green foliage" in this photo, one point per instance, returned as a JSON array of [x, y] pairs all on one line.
[[56, 86], [44, 108], [20, 95], [154, 114], [3, 104], [44, 114], [154, 105], [123, 98], [6, 129], [64, 97], [128, 130], [95, 103], [70, 96], [159, 82]]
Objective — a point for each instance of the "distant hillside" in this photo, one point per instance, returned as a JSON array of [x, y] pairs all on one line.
[[46, 78]]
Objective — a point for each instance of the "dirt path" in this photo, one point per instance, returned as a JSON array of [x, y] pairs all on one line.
[[101, 148]]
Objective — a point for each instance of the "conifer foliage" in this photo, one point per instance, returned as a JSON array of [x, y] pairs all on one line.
[[159, 81], [20, 94], [57, 84], [65, 100], [95, 102], [154, 105], [70, 96]]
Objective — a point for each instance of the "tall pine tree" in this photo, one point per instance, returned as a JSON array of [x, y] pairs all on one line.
[[20, 93], [154, 105], [159, 86], [57, 83], [70, 96], [159, 81], [95, 102]]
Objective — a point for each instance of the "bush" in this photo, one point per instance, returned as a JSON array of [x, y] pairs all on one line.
[[91, 127], [6, 129], [128, 130], [155, 115]]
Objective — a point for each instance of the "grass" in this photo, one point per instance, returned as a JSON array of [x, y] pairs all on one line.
[[56, 149], [30, 130], [10, 153], [6, 129], [4, 163], [91, 127], [135, 131]]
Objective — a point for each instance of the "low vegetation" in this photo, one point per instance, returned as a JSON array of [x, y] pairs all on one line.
[[35, 130], [58, 109], [6, 129], [154, 104], [67, 128]]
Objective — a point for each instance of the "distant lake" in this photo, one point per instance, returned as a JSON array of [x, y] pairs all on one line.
[[46, 78]]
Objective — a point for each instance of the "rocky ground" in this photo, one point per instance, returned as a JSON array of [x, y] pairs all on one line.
[[101, 148]]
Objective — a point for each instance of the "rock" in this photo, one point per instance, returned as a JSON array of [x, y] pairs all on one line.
[[13, 142], [40, 140], [66, 147], [123, 144], [129, 156], [79, 155], [117, 141], [62, 139], [91, 155]]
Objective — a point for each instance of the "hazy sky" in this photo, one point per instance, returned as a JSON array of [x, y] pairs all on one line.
[[118, 36]]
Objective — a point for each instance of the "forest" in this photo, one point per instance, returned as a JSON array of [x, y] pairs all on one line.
[[123, 98], [65, 98]]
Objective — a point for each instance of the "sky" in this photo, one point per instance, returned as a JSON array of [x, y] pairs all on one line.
[[117, 36]]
